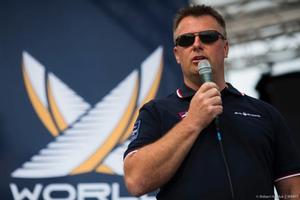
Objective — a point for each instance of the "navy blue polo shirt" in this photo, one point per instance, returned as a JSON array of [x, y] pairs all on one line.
[[258, 145]]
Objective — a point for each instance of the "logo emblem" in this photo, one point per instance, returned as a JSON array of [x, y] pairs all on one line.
[[135, 131], [247, 114], [182, 114], [85, 137]]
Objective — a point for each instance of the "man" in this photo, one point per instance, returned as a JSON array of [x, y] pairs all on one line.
[[175, 147]]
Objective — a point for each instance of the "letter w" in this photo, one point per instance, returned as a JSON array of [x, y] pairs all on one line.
[[25, 193]]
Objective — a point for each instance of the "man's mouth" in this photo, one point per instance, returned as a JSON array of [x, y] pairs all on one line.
[[196, 59]]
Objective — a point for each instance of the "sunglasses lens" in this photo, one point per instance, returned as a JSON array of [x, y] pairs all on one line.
[[185, 40], [208, 37]]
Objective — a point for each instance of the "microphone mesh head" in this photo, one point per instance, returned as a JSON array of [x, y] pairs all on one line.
[[204, 67]]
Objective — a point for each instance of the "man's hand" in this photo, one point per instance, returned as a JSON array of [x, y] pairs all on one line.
[[205, 105]]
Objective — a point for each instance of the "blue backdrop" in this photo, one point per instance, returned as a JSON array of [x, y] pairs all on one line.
[[60, 63]]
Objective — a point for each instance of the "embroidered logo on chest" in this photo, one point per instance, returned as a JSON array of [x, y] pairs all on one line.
[[247, 114]]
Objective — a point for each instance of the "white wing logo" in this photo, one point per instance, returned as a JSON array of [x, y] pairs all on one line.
[[86, 138]]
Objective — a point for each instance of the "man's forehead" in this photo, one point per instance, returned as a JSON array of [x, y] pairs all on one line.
[[197, 23]]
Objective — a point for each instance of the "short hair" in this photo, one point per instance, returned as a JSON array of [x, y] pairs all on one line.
[[196, 11]]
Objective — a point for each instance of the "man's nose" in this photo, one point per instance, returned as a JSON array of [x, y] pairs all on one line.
[[197, 43]]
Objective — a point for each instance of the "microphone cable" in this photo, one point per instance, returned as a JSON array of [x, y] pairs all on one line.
[[205, 73], [220, 141]]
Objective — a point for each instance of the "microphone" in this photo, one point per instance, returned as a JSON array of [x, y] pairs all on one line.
[[204, 69]]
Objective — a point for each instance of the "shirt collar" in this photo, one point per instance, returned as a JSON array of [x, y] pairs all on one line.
[[185, 92]]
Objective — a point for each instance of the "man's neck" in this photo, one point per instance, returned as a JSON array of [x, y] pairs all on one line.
[[195, 86]]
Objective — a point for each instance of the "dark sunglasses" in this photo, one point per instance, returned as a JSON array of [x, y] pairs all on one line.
[[206, 37]]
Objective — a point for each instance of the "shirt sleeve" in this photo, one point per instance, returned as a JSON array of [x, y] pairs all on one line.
[[287, 155], [147, 128]]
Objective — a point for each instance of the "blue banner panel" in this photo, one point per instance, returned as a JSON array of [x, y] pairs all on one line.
[[73, 76]]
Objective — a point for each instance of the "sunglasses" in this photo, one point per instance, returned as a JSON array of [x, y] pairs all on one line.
[[206, 37]]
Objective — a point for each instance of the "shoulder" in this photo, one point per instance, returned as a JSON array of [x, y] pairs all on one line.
[[264, 108], [251, 106], [261, 104], [248, 103], [160, 103]]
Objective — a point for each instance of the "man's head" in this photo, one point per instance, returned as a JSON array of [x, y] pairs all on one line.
[[200, 33], [196, 11]]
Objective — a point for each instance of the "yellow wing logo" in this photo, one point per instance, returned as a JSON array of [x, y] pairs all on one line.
[[85, 137]]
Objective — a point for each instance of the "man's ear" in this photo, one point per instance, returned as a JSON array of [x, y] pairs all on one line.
[[175, 51], [226, 49]]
